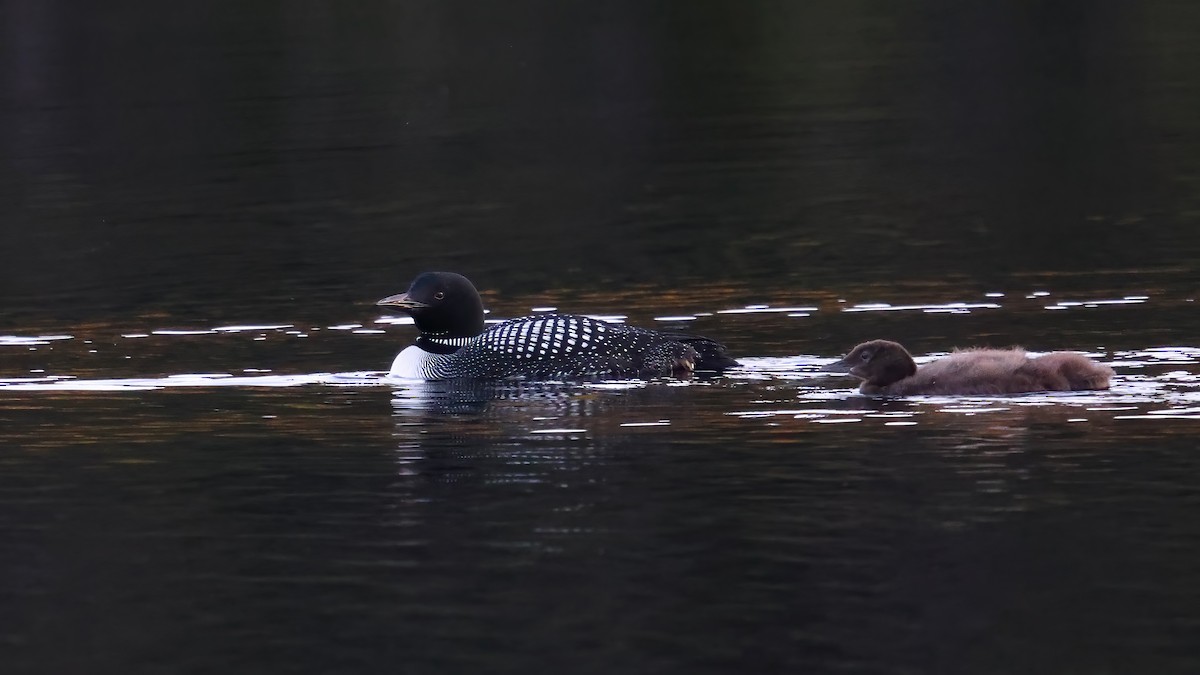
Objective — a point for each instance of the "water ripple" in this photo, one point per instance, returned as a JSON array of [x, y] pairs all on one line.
[[191, 380], [30, 340], [1091, 304], [945, 308]]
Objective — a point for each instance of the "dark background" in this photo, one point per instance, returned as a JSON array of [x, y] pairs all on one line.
[[245, 154]]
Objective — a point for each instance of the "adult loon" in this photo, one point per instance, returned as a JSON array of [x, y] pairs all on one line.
[[887, 369], [453, 342]]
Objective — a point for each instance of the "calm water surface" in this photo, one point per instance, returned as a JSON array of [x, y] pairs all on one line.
[[204, 469]]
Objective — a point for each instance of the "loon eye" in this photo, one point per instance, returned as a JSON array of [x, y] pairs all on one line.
[[866, 356], [439, 295]]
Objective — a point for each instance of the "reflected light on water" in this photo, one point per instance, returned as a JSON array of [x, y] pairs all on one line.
[[1151, 383], [192, 381], [1091, 304], [27, 341], [767, 309], [951, 307]]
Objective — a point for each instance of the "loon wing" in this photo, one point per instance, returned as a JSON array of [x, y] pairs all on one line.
[[713, 356]]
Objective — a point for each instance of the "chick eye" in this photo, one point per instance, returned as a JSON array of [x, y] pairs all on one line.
[[439, 295], [866, 356]]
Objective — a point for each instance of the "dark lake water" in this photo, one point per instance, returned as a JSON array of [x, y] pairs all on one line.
[[203, 469]]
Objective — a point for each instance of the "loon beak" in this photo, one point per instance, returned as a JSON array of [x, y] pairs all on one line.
[[837, 367], [400, 301]]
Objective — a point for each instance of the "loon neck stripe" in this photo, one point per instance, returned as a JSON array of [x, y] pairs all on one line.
[[441, 345], [445, 340]]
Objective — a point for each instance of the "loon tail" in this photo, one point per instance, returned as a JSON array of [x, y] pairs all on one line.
[[713, 356]]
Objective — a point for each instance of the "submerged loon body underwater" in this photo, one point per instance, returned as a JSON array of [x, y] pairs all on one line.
[[206, 465]]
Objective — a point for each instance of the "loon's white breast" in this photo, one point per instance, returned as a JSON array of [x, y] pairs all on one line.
[[410, 363]]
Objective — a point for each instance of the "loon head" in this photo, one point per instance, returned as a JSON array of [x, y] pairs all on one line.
[[878, 362], [441, 303]]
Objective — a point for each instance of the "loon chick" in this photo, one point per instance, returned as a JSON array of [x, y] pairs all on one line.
[[887, 369], [453, 342]]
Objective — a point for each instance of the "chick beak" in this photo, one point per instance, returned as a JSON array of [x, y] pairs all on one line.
[[837, 367], [401, 301]]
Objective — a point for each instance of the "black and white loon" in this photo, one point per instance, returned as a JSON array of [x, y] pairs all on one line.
[[454, 343]]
